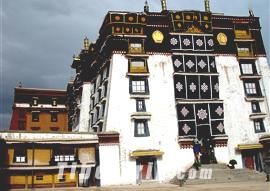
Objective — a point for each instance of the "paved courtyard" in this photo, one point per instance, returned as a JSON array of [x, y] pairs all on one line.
[[235, 186]]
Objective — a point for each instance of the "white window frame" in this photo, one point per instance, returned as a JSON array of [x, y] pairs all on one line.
[[250, 88], [247, 68]]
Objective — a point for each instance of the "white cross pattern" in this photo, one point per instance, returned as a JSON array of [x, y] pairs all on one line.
[[190, 64], [192, 87], [177, 63], [210, 42], [184, 111], [202, 64], [202, 114], [186, 128], [219, 111], [186, 42], [220, 127], [179, 86], [174, 41], [199, 42], [216, 87], [204, 87]]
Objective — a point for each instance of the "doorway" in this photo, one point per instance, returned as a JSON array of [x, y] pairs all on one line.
[[207, 144], [146, 168]]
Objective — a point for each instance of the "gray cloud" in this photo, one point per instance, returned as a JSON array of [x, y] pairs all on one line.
[[40, 37]]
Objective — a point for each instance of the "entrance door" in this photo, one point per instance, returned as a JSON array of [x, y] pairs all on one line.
[[207, 146], [146, 168]]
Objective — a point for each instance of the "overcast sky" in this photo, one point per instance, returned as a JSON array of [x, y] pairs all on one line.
[[39, 37]]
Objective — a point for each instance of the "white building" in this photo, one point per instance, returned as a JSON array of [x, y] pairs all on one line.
[[162, 80]]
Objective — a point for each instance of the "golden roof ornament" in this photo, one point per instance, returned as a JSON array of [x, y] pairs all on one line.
[[194, 29], [146, 6], [76, 58], [86, 43], [207, 5], [222, 39], [158, 37], [163, 5]]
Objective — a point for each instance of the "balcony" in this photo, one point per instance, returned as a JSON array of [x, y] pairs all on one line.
[[135, 48], [242, 34], [245, 52]]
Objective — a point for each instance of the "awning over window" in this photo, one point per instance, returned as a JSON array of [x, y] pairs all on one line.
[[146, 153], [249, 146]]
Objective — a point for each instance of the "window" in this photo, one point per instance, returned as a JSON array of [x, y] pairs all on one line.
[[99, 95], [259, 126], [247, 69], [140, 105], [141, 128], [35, 116], [34, 101], [103, 108], [64, 154], [105, 89], [255, 107], [54, 116], [54, 102], [135, 48], [139, 86], [252, 88], [39, 177], [20, 155], [138, 66]]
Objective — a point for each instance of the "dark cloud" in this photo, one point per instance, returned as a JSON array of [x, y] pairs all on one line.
[[40, 36]]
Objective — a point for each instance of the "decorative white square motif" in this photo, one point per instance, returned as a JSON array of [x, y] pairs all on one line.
[[219, 111], [213, 64], [186, 42], [220, 127], [179, 86], [192, 87], [184, 111], [199, 42], [177, 63], [210, 42], [202, 114], [204, 87], [190, 64], [216, 87], [186, 128], [174, 41], [202, 64]]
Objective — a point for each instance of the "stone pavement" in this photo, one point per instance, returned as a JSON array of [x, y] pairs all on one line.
[[233, 186]]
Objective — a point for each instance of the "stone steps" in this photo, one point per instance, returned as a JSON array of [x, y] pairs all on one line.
[[220, 174]]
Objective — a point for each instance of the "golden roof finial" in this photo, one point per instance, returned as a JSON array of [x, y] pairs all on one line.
[[86, 43], [207, 5], [76, 57], [163, 5], [146, 6]]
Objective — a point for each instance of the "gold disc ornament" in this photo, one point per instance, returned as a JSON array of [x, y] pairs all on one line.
[[222, 39], [158, 36]]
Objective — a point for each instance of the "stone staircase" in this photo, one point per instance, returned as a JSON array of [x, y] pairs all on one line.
[[222, 174]]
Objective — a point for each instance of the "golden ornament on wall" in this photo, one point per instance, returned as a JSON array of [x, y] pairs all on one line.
[[130, 19], [177, 17], [222, 38], [117, 18], [158, 36], [143, 19]]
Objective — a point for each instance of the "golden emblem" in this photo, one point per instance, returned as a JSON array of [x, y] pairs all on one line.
[[117, 18], [194, 29], [222, 38], [158, 36], [177, 17]]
